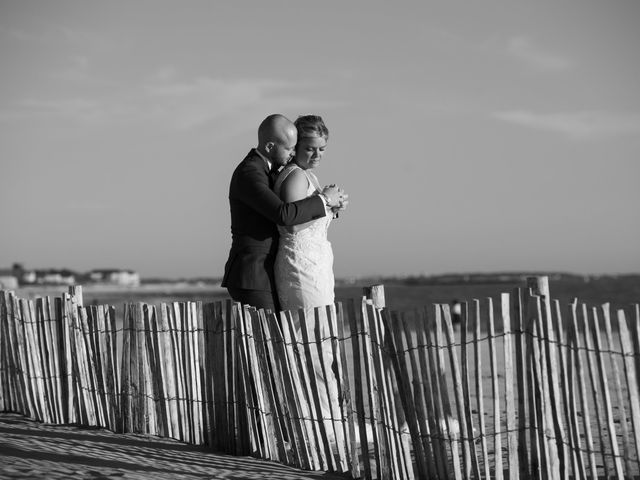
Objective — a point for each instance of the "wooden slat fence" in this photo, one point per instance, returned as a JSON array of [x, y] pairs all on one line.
[[523, 387]]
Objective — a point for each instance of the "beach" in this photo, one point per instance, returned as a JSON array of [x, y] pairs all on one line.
[[30, 449]]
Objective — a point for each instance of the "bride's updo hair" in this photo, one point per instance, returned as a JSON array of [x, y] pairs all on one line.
[[311, 126]]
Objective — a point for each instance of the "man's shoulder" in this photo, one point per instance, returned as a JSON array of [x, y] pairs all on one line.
[[251, 163], [253, 156], [252, 160]]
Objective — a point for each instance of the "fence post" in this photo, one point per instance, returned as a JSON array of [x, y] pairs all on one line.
[[76, 292], [375, 293]]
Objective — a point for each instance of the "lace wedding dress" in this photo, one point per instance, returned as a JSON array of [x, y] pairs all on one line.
[[304, 263]]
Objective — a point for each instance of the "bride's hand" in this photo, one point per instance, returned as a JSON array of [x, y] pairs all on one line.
[[344, 201], [334, 196]]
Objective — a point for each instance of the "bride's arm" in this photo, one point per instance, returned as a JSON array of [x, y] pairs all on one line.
[[295, 188]]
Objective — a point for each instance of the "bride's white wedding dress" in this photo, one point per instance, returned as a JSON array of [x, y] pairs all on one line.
[[304, 263]]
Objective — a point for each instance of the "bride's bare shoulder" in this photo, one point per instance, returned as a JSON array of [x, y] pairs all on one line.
[[295, 185]]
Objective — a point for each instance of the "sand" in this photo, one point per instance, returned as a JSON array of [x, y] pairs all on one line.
[[29, 449]]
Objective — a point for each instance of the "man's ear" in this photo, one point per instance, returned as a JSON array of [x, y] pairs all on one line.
[[269, 146]]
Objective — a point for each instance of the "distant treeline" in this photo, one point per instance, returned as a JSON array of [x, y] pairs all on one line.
[[491, 278], [443, 279]]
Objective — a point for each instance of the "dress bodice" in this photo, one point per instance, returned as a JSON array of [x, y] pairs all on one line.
[[317, 229]]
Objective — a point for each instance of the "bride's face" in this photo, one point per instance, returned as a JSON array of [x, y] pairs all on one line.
[[309, 151]]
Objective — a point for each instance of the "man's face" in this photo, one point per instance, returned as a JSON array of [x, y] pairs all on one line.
[[283, 150]]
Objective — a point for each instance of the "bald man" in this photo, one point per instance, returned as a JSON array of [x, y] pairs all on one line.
[[256, 211]]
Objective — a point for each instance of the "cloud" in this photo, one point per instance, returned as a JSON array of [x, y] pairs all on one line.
[[577, 125], [165, 101], [526, 52], [77, 108], [186, 105]]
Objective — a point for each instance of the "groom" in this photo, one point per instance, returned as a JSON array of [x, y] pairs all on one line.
[[256, 211]]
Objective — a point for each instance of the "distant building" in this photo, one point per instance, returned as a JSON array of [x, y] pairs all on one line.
[[127, 278], [28, 277], [54, 277], [8, 280], [18, 275]]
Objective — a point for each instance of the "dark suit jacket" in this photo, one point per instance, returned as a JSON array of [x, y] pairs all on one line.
[[255, 213]]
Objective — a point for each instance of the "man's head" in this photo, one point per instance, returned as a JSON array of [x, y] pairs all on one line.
[[277, 136]]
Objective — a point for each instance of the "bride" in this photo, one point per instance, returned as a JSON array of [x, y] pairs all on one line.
[[304, 262]]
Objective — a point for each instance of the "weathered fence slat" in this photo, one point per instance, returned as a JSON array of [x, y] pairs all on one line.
[[584, 401], [327, 385], [538, 455], [234, 378], [570, 465], [170, 371], [622, 414], [477, 352], [604, 383], [595, 385], [85, 371], [153, 383], [250, 404], [467, 432], [32, 351], [41, 323], [631, 376], [219, 374], [387, 450], [155, 338], [96, 330], [572, 417], [53, 326], [548, 411], [347, 393], [522, 378], [510, 406], [495, 394], [209, 313], [133, 373], [370, 379], [196, 388], [90, 326], [442, 419], [18, 387], [199, 348], [455, 427], [331, 362], [7, 374], [344, 412], [357, 340]]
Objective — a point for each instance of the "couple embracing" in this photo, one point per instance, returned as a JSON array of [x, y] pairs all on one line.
[[280, 257]]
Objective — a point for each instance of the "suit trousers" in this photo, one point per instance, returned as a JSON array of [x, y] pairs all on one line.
[[264, 299]]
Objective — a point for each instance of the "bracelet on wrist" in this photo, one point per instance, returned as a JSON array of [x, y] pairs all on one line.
[[325, 199]]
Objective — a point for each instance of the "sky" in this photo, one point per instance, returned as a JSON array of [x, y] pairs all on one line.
[[501, 135]]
